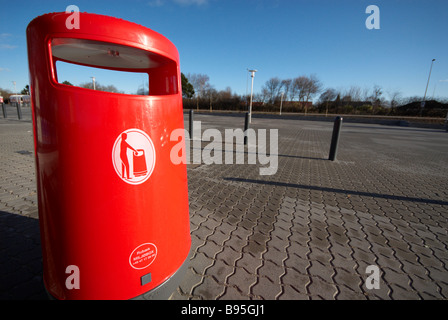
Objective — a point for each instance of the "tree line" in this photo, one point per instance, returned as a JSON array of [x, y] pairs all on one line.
[[306, 94], [303, 94]]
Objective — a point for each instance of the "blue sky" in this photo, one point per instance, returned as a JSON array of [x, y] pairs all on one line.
[[280, 38]]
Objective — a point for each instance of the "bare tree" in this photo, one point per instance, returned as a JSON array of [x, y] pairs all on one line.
[[395, 98], [313, 87], [100, 87], [365, 96], [375, 98], [305, 88], [200, 84], [355, 93], [286, 87], [212, 95], [299, 87], [328, 95], [271, 89], [226, 94], [293, 90]]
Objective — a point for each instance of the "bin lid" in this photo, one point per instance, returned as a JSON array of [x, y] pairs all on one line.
[[104, 54]]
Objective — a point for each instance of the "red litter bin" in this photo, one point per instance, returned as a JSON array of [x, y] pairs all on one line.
[[113, 208]]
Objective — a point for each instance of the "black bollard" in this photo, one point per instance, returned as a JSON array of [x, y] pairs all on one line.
[[191, 123], [19, 110], [335, 138], [446, 122], [5, 114], [246, 126]]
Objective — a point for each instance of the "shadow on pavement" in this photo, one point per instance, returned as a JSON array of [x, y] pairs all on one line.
[[21, 258], [351, 192]]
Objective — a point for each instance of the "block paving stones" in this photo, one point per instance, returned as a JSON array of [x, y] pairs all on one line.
[[307, 232]]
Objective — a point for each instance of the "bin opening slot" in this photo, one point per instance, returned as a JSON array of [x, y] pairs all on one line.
[[102, 79], [82, 54]]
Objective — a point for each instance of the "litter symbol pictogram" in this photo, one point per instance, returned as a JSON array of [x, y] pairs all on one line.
[[133, 156]]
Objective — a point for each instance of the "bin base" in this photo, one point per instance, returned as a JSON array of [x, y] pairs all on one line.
[[166, 289], [161, 292]]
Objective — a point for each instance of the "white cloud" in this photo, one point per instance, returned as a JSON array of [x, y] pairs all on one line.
[[445, 80], [4, 37], [7, 46], [191, 2], [159, 3], [4, 69], [156, 3]]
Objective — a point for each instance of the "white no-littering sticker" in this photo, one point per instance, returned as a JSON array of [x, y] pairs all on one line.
[[133, 156]]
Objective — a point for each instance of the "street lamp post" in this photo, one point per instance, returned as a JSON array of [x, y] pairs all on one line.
[[93, 81], [424, 98], [281, 102], [247, 81], [251, 93]]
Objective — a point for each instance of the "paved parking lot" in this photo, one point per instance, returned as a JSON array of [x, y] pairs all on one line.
[[307, 232]]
